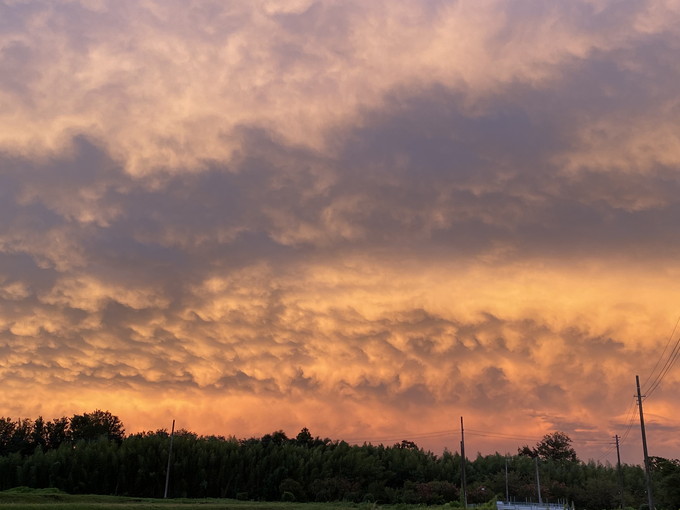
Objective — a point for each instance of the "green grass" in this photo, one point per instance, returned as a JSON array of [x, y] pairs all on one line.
[[22, 498]]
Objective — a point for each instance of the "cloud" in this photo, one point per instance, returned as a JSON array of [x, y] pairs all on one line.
[[169, 91], [338, 215]]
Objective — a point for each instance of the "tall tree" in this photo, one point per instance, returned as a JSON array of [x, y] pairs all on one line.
[[667, 477], [7, 428], [555, 446], [97, 424], [57, 431]]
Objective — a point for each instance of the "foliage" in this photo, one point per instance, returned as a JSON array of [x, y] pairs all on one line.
[[90, 454], [667, 476], [94, 425], [25, 436], [555, 446]]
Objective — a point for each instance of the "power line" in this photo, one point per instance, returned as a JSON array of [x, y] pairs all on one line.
[[631, 421], [590, 441], [471, 432], [669, 364], [662, 353], [672, 357], [606, 453], [474, 432], [426, 435]]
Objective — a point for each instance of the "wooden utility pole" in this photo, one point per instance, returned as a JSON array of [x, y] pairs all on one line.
[[648, 468], [462, 463], [167, 471], [618, 468]]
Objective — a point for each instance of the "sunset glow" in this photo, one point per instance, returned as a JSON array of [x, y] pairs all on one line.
[[364, 218]]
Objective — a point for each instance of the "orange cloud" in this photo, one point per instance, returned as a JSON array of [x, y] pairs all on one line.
[[366, 219]]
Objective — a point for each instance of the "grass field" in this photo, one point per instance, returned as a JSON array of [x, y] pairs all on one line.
[[41, 499]]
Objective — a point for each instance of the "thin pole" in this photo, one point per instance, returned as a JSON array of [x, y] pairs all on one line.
[[538, 483], [167, 471], [648, 470], [507, 492], [462, 462], [618, 468]]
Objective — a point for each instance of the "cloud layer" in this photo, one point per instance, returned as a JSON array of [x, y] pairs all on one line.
[[366, 219]]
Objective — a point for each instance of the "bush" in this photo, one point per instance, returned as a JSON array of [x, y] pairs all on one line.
[[288, 496]]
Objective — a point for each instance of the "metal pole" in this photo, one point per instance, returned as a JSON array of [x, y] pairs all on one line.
[[167, 471], [648, 468], [462, 462]]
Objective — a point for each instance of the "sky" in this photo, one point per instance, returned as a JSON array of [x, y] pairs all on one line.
[[369, 219]]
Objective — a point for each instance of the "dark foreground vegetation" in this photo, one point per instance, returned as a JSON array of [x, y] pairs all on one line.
[[90, 454]]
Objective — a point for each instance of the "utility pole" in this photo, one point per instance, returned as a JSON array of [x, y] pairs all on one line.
[[462, 463], [618, 468], [648, 470], [538, 482], [507, 493], [167, 471]]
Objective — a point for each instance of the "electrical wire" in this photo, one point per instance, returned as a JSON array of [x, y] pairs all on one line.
[[468, 431], [592, 442], [609, 451], [426, 435], [669, 364], [473, 432], [656, 381], [662, 353], [672, 357], [631, 421]]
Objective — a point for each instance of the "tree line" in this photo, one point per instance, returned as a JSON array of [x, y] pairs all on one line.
[[91, 453], [25, 436]]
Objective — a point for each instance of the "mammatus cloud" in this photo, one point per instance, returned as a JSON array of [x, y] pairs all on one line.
[[168, 86], [363, 219]]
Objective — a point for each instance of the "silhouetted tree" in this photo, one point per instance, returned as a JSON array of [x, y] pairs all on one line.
[[57, 432], [667, 478], [527, 451], [7, 427], [22, 439], [555, 446], [276, 438], [95, 425], [304, 438], [39, 433], [301, 469]]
